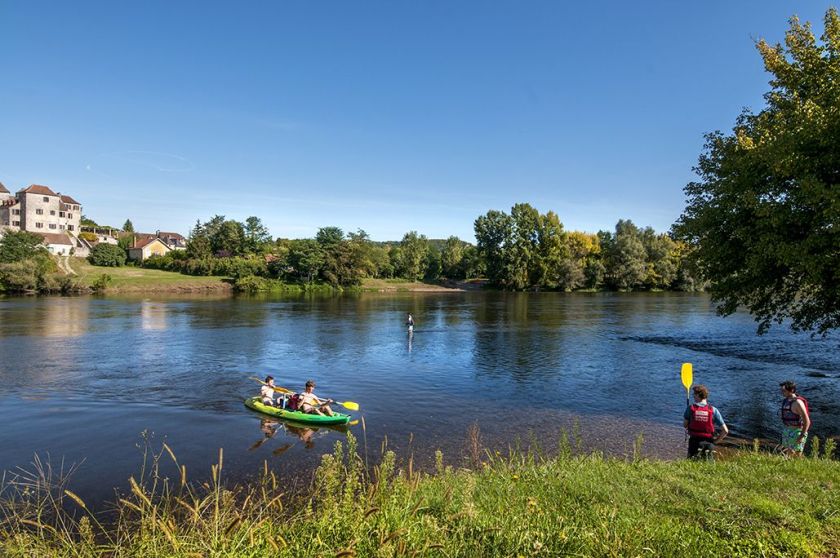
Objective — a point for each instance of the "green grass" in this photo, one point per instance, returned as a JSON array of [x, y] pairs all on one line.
[[128, 278], [519, 505]]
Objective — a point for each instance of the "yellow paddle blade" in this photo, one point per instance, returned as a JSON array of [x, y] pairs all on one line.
[[353, 422], [687, 375], [352, 405]]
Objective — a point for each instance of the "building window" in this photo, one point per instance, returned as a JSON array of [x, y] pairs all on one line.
[[69, 215], [15, 223], [46, 199], [61, 227], [39, 225], [61, 214], [16, 212], [69, 227], [52, 225], [52, 211], [39, 212]]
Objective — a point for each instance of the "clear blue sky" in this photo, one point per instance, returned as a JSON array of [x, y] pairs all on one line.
[[389, 116]]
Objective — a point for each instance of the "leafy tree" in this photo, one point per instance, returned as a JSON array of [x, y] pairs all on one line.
[[306, 257], [626, 256], [257, 236], [451, 258], [329, 236], [554, 269], [16, 246], [493, 233], [198, 245], [107, 255], [764, 218], [228, 239], [413, 251], [85, 221], [128, 226], [523, 251]]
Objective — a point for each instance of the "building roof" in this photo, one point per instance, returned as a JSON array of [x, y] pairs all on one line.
[[56, 238], [68, 199], [163, 234], [139, 244], [10, 201], [3, 189], [38, 189]]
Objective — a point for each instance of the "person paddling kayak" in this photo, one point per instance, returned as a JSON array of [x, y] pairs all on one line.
[[267, 393], [700, 419], [312, 404]]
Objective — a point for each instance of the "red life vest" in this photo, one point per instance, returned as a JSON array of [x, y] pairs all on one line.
[[788, 416], [294, 402], [702, 423]]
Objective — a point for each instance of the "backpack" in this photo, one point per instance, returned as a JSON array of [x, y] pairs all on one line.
[[294, 401]]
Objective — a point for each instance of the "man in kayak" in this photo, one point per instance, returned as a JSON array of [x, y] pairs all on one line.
[[267, 393], [796, 419], [700, 419], [312, 405], [410, 323]]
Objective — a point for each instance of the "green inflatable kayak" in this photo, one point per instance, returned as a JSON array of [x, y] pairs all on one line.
[[256, 404]]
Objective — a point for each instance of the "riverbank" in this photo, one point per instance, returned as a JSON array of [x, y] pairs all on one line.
[[130, 279], [750, 504]]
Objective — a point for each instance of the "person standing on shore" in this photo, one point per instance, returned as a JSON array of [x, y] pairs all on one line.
[[796, 420], [701, 419], [410, 323]]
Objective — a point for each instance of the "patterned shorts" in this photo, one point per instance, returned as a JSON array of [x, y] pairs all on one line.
[[790, 435]]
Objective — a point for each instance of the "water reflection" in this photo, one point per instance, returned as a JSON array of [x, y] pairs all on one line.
[[306, 435]]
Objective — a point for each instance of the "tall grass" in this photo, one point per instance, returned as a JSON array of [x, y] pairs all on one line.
[[520, 503]]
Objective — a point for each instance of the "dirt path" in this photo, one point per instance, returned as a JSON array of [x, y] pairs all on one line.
[[64, 265]]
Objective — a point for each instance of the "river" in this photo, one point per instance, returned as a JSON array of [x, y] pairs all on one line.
[[82, 377]]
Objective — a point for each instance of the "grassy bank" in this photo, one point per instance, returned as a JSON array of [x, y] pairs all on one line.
[[131, 279], [521, 505]]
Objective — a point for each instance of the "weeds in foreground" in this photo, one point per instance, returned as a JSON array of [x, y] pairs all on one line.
[[520, 503]]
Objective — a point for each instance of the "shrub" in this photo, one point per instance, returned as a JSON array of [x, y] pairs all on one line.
[[251, 284], [107, 255], [20, 276], [101, 283]]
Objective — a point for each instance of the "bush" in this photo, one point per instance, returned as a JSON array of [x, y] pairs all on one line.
[[20, 276], [107, 255], [251, 284], [101, 283]]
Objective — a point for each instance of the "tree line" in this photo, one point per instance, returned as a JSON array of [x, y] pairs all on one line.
[[518, 251]]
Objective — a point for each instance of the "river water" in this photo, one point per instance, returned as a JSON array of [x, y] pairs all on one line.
[[81, 378]]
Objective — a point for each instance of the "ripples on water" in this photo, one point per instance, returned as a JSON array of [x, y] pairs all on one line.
[[81, 377]]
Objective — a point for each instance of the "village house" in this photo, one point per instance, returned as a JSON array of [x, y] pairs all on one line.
[[37, 209], [146, 247]]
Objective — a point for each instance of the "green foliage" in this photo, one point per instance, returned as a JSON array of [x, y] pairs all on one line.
[[107, 255], [20, 276], [763, 218], [16, 246], [128, 226], [520, 504], [101, 283], [412, 256]]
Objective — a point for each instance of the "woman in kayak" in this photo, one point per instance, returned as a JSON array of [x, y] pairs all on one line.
[[267, 393], [312, 405]]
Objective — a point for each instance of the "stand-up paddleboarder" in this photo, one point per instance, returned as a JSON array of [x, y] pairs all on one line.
[[410, 323]]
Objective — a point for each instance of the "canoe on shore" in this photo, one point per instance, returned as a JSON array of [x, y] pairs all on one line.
[[256, 404]]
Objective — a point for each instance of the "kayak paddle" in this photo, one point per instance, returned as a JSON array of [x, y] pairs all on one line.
[[687, 375]]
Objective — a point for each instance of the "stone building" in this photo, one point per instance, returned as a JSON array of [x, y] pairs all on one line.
[[38, 209]]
